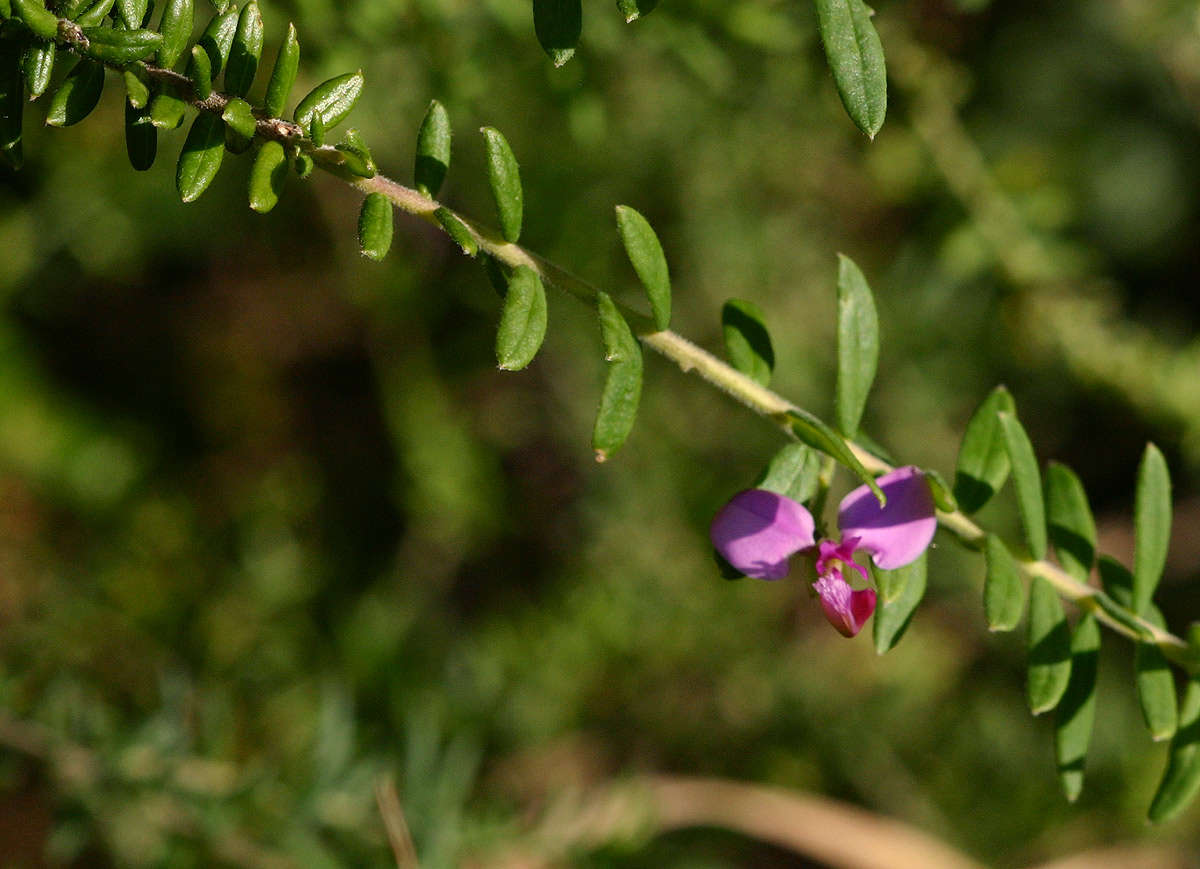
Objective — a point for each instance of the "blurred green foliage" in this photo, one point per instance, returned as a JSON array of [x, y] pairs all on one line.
[[272, 524]]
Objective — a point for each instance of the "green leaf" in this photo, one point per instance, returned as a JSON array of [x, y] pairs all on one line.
[[523, 320], [858, 345], [983, 464], [496, 274], [1049, 647], [167, 110], [1069, 520], [1077, 711], [635, 9], [1028, 482], [217, 38], [1151, 526], [95, 14], [199, 70], [943, 498], [132, 12], [433, 150], [747, 342], [37, 64], [303, 164], [37, 18], [622, 383], [331, 100], [812, 431], [504, 177], [141, 139], [316, 130], [245, 51], [855, 58], [793, 472], [176, 29], [558, 24], [283, 74], [12, 97], [457, 230], [239, 117], [137, 87], [77, 95], [267, 176], [646, 255], [1155, 683], [120, 46], [1181, 780], [375, 226], [356, 156], [899, 593], [1003, 591], [201, 157]]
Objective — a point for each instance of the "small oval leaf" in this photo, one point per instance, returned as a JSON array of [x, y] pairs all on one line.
[[200, 159], [375, 226], [132, 12], [1049, 644], [176, 29], [1003, 591], [137, 86], [199, 70], [857, 347], [1028, 483], [1076, 712], [793, 472], [167, 110], [983, 464], [504, 177], [77, 95], [37, 18], [37, 64], [622, 383], [1155, 684], [747, 342], [217, 39], [267, 176], [646, 254], [120, 46], [95, 14], [1069, 521], [331, 100], [433, 150], [457, 230], [283, 74], [523, 320], [1151, 526], [900, 591], [558, 24], [356, 156], [855, 57], [245, 51], [1181, 780]]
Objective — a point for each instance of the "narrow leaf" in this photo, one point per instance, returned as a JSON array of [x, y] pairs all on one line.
[[1003, 591], [747, 342], [1069, 520], [457, 230], [356, 156], [943, 498], [199, 70], [635, 9], [77, 95], [37, 18], [37, 64], [523, 320], [983, 464], [283, 74], [855, 58], [95, 14], [141, 139], [245, 51], [1077, 711], [900, 591], [1181, 780], [622, 383], [1155, 683], [331, 101], [1151, 526], [120, 46], [504, 177], [1049, 648], [201, 157], [858, 345], [1028, 483], [793, 471], [267, 176], [433, 150], [239, 117], [176, 29], [558, 24], [375, 226], [217, 38], [812, 431], [646, 254]]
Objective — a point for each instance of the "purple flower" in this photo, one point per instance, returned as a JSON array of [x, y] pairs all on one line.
[[758, 531]]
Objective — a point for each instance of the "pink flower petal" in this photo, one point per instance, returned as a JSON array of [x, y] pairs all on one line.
[[898, 533], [846, 609], [758, 530]]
